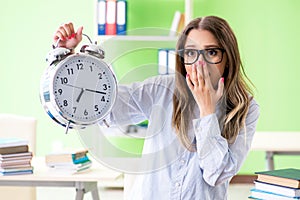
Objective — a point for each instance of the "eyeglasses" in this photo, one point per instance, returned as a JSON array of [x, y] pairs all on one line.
[[210, 55]]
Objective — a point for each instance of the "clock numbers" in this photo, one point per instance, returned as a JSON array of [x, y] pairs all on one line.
[[104, 87], [83, 90], [70, 71], [64, 80], [60, 91], [100, 75], [79, 66], [65, 103]]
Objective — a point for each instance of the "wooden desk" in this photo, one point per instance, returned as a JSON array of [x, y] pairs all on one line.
[[276, 143], [43, 177]]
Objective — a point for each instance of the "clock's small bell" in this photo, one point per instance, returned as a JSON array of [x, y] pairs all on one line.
[[57, 54], [93, 50]]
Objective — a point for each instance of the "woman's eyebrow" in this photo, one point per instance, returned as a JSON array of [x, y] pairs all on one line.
[[211, 46], [205, 46], [190, 46]]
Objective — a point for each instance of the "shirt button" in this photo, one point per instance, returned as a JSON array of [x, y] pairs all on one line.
[[199, 129], [177, 184], [182, 161]]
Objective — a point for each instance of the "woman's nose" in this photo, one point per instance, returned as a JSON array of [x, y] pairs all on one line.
[[201, 60]]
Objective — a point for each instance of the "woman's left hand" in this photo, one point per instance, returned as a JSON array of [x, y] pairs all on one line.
[[202, 89]]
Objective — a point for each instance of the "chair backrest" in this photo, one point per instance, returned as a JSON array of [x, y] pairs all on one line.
[[24, 127]]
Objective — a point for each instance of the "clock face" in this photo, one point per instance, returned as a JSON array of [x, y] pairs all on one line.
[[84, 88]]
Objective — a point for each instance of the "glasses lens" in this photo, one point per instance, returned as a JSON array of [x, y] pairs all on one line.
[[213, 55], [189, 55]]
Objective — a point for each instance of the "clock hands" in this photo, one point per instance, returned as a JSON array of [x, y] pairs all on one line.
[[78, 98], [95, 91], [84, 89]]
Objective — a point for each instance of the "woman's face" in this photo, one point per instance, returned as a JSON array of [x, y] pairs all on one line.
[[203, 39]]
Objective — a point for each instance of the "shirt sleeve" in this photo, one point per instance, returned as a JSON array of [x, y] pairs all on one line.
[[135, 101], [219, 160]]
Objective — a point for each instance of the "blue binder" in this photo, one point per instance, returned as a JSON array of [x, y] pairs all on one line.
[[121, 17], [101, 16]]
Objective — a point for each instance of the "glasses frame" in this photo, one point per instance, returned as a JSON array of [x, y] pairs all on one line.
[[199, 52]]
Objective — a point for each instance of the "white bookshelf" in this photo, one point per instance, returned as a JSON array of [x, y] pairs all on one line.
[[137, 38], [188, 8]]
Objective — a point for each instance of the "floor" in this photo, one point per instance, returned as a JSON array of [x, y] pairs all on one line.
[[236, 192]]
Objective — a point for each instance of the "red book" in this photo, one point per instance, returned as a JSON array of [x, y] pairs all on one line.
[[111, 27]]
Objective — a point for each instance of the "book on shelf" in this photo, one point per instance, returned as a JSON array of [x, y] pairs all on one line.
[[112, 17], [264, 195], [121, 17], [289, 177], [101, 16], [110, 25], [166, 61], [177, 23]]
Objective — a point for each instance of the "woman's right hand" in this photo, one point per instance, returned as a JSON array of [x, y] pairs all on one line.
[[68, 37]]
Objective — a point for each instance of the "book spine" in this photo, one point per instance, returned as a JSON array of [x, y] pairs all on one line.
[[171, 61], [110, 28], [121, 17], [81, 160], [175, 23], [162, 61], [101, 16], [12, 150]]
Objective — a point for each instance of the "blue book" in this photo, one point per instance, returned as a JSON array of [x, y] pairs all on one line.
[[16, 172], [12, 142], [261, 194], [101, 16], [121, 17], [80, 159]]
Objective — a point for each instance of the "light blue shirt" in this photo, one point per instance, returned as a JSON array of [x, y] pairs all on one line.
[[172, 172]]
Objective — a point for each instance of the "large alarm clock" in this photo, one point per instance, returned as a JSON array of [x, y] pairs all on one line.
[[77, 89]]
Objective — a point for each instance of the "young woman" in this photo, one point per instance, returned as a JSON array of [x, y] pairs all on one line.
[[201, 120]]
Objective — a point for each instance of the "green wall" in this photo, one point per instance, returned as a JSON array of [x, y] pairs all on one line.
[[268, 34]]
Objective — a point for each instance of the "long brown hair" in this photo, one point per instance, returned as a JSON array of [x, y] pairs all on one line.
[[236, 95]]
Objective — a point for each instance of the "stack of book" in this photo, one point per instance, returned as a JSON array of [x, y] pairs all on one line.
[[282, 184], [15, 157], [112, 17], [69, 162], [166, 61]]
